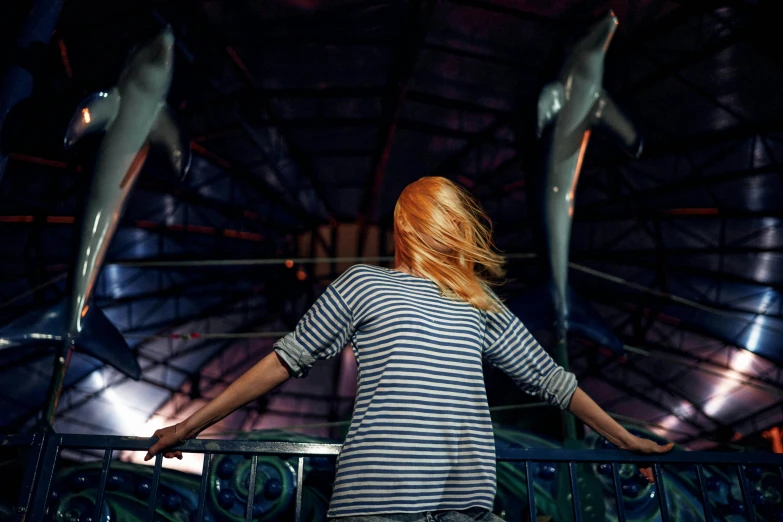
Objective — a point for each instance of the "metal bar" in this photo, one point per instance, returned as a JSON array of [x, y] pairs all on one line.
[[750, 510], [618, 492], [575, 492], [661, 493], [412, 36], [276, 261], [102, 484], [705, 495], [299, 480], [731, 313], [153, 500], [45, 477], [510, 454], [531, 500], [251, 488], [31, 470], [203, 487]]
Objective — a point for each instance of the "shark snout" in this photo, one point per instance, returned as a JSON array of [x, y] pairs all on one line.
[[600, 34], [164, 44]]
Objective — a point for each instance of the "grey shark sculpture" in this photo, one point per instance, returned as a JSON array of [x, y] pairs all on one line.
[[133, 115], [568, 110]]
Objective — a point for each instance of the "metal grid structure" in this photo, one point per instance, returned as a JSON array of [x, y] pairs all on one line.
[[308, 119]]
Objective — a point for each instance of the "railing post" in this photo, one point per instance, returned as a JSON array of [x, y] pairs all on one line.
[[618, 491], [251, 488], [750, 511], [32, 467], [299, 480], [203, 486], [102, 484], [153, 500], [575, 492], [531, 499], [705, 496], [661, 493], [44, 477]]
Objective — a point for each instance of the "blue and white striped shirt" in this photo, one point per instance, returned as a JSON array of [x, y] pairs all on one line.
[[421, 436]]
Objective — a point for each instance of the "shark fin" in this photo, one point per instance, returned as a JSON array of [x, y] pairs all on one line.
[[168, 134], [535, 308], [550, 101], [99, 338], [617, 125], [94, 114], [34, 328]]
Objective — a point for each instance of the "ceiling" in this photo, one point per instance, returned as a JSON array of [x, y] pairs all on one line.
[[307, 119]]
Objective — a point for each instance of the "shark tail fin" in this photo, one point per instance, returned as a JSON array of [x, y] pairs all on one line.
[[99, 337], [535, 308]]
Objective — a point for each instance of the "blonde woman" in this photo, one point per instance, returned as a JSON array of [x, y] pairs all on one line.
[[420, 445]]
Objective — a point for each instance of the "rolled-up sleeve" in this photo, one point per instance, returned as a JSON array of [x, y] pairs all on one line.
[[321, 334], [515, 351]]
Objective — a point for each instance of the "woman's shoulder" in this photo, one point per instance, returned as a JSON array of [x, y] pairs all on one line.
[[359, 273]]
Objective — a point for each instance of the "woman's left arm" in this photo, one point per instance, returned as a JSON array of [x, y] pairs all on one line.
[[594, 416]]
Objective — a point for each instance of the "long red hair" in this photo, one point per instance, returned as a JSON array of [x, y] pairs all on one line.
[[442, 233]]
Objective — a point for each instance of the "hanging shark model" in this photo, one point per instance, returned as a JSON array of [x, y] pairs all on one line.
[[133, 114], [568, 110]]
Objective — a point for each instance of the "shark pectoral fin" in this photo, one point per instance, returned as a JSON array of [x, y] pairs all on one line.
[[617, 125], [550, 101], [169, 135], [99, 338], [94, 114], [45, 326]]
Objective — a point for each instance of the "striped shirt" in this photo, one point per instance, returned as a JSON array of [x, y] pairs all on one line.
[[421, 436]]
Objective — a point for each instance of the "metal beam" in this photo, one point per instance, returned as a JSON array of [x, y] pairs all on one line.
[[412, 35], [454, 103], [750, 418], [474, 141], [719, 140], [643, 397], [707, 366], [604, 298], [687, 60], [657, 384], [668, 214], [505, 10], [260, 98], [698, 272]]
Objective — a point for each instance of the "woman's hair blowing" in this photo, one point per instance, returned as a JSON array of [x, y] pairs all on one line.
[[443, 234]]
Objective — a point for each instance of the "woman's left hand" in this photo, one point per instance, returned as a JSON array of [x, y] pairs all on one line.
[[167, 438], [647, 447]]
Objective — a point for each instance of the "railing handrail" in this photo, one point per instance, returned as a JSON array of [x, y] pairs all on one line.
[[264, 447], [45, 448]]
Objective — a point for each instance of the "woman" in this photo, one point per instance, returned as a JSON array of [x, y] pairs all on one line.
[[421, 437]]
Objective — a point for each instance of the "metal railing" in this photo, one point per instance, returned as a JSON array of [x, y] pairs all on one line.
[[43, 451]]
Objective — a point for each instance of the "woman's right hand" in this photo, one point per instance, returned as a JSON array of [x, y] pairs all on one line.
[[167, 438]]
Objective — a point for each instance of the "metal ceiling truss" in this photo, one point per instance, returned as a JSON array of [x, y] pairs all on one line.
[[412, 35]]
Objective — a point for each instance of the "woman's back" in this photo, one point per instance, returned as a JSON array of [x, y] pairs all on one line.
[[421, 436]]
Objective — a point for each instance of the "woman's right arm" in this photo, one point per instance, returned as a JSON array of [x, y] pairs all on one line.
[[267, 374], [322, 333]]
